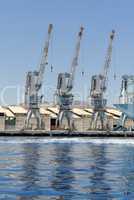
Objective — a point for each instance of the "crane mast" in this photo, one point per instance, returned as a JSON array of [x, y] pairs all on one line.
[[99, 87], [64, 87], [33, 85]]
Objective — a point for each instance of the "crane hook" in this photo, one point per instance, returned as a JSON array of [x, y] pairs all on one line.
[[51, 68]]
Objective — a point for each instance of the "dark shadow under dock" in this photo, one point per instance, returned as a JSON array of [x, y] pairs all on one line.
[[63, 133]]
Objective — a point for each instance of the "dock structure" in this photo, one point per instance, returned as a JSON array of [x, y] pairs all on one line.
[[67, 134], [12, 119]]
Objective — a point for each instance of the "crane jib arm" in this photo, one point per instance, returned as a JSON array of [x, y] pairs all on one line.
[[108, 56], [76, 55], [43, 62]]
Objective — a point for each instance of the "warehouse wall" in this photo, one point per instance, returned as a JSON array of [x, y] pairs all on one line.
[[129, 123], [47, 122], [82, 124], [10, 123], [2, 122], [20, 121]]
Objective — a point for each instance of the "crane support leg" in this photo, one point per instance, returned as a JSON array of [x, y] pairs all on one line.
[[59, 119], [67, 115], [97, 117], [121, 123], [37, 116], [28, 117], [94, 118]]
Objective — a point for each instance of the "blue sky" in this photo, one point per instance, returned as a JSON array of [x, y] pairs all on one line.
[[23, 26]]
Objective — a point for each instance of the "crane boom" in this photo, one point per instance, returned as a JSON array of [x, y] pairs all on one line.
[[76, 55], [108, 57], [27, 86], [43, 62]]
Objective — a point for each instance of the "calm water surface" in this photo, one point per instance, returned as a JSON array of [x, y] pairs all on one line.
[[66, 169]]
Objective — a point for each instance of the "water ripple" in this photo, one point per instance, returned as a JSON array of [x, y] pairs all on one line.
[[66, 169]]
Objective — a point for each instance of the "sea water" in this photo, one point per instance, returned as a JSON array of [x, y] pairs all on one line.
[[66, 169]]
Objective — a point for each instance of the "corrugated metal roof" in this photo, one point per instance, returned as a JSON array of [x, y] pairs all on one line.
[[113, 111], [52, 115], [44, 111], [111, 115], [90, 110], [80, 111], [53, 109], [110, 112], [6, 111], [17, 109], [76, 116]]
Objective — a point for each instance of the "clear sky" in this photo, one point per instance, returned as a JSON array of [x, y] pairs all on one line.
[[23, 26]]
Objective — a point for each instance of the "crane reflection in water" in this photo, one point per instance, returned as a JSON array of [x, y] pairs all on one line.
[[66, 171], [30, 177], [37, 157], [62, 176], [98, 169]]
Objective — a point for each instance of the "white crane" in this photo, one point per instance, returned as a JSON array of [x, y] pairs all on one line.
[[64, 88], [98, 89], [33, 86], [126, 104]]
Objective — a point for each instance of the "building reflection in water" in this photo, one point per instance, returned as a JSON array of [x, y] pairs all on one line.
[[62, 175]]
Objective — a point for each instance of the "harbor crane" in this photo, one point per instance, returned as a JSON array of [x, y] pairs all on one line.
[[126, 104], [98, 89], [64, 88], [34, 80]]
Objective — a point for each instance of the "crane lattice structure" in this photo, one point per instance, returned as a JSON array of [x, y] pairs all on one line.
[[98, 89], [64, 88], [34, 80]]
